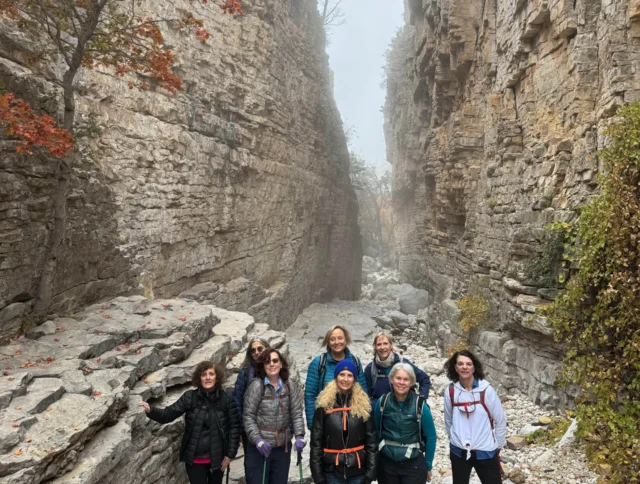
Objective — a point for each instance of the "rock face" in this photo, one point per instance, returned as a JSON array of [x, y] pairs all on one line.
[[494, 112], [243, 173], [69, 399]]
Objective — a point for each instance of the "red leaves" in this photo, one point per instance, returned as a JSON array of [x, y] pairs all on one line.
[[19, 120], [232, 6]]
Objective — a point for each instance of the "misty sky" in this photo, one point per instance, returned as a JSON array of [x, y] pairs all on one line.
[[356, 55]]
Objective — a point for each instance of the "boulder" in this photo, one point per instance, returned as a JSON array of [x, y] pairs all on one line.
[[516, 442], [569, 436], [44, 329], [413, 301]]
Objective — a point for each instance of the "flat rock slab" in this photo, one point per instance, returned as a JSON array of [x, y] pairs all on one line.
[[75, 377]]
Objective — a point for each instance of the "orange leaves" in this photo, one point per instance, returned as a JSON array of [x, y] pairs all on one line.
[[19, 120], [96, 394], [18, 452]]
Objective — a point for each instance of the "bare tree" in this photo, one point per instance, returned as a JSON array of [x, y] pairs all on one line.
[[332, 14]]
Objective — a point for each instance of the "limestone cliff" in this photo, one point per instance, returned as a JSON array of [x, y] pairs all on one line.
[[244, 173], [494, 113]]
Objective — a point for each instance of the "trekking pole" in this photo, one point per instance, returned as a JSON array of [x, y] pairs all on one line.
[[300, 465], [228, 469], [264, 470]]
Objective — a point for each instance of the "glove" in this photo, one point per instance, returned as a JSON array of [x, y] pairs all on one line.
[[263, 447], [299, 445]]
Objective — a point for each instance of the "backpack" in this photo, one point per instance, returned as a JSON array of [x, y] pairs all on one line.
[[466, 404], [322, 368], [419, 405], [374, 374]]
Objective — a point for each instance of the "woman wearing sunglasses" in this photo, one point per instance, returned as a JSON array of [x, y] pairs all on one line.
[[272, 416], [474, 421], [247, 373]]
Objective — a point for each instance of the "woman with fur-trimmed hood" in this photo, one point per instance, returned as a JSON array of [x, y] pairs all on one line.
[[343, 439]]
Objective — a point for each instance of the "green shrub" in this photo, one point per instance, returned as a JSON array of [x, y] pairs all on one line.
[[551, 434], [549, 268], [598, 317]]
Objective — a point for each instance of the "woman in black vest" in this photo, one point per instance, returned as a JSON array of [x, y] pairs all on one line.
[[212, 426], [343, 441]]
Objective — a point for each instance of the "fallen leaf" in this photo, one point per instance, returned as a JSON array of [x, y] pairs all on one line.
[[8, 368], [98, 360], [143, 326], [118, 349], [18, 452], [162, 318], [96, 394], [127, 346], [146, 382], [19, 352], [10, 378], [28, 441], [182, 318], [76, 428], [15, 425], [70, 337], [99, 333], [49, 409], [56, 340], [138, 352], [18, 407]]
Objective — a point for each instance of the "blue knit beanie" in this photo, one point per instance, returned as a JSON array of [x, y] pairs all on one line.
[[348, 365]]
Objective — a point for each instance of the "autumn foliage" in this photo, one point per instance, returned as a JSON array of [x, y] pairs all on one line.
[[20, 121]]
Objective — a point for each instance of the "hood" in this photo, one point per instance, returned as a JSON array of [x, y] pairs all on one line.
[[482, 385]]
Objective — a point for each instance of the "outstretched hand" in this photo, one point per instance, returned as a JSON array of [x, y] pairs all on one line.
[[144, 405]]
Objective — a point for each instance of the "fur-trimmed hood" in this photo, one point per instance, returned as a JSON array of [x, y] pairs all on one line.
[[361, 407]]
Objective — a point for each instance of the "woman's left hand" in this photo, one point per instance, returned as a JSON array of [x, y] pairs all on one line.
[[429, 475], [225, 463]]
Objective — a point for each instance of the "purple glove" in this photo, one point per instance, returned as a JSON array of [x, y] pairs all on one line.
[[263, 447], [299, 445]]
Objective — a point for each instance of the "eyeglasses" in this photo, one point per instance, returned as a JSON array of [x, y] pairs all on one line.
[[275, 361], [258, 349]]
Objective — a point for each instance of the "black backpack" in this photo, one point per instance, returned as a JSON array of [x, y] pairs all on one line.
[[419, 405]]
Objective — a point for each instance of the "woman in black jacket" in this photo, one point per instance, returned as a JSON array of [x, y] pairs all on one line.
[[212, 426], [343, 441]]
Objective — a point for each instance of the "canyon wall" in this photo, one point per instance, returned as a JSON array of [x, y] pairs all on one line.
[[495, 110], [242, 174]]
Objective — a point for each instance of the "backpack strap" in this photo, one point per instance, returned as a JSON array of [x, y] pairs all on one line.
[[383, 401], [486, 408], [451, 391], [322, 370], [419, 405]]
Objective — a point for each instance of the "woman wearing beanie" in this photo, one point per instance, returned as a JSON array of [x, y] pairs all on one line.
[[322, 367], [212, 427], [406, 431], [377, 372], [343, 442]]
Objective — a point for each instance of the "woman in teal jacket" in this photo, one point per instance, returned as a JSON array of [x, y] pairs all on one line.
[[320, 371], [406, 433]]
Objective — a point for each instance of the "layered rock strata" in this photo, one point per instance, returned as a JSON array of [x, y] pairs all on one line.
[[495, 110], [70, 390], [243, 173]]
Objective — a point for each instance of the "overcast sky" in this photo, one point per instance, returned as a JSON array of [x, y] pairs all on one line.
[[356, 55]]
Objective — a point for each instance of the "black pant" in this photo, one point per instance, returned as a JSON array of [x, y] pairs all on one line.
[[200, 474], [411, 471], [488, 469]]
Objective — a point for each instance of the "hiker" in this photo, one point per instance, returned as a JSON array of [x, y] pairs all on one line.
[[320, 372], [247, 373], [272, 409], [405, 430], [343, 441], [377, 372], [212, 426], [474, 420]]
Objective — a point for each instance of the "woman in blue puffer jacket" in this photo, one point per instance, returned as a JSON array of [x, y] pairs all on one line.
[[321, 368]]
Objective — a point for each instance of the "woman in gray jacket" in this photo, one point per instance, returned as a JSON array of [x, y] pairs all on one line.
[[272, 408]]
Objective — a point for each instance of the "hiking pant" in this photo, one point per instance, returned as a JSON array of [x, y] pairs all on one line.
[[199, 474], [488, 469], [277, 465], [410, 471]]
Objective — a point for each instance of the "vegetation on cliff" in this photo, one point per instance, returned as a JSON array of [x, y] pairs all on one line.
[[597, 318]]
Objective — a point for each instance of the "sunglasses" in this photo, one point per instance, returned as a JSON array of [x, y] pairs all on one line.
[[259, 349], [274, 361]]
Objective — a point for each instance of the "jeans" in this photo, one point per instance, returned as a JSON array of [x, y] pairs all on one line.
[[276, 469], [333, 478]]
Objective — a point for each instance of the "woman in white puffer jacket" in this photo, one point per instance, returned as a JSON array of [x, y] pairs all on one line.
[[474, 420]]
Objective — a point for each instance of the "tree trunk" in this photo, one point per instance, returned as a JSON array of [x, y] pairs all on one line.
[[63, 184]]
